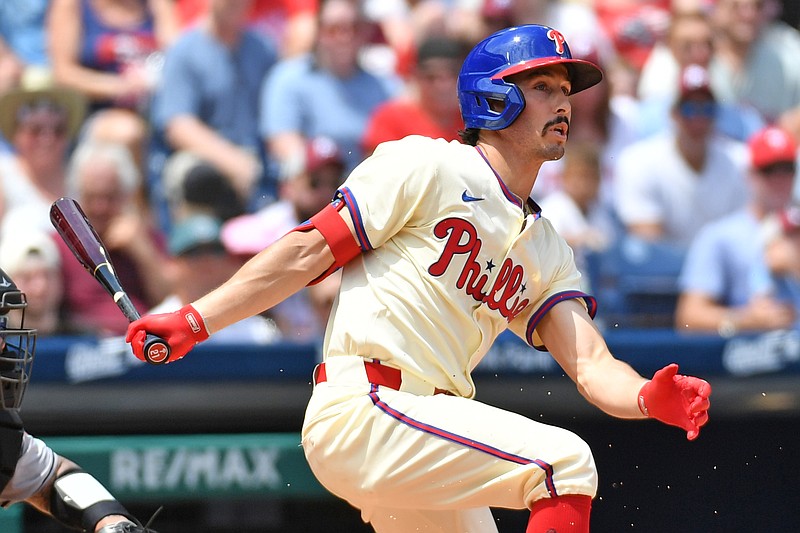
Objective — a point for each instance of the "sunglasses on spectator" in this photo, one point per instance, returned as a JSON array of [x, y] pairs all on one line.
[[37, 129], [757, 5], [340, 29], [783, 168], [697, 109]]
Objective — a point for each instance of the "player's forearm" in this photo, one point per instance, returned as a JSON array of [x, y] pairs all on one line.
[[613, 387], [579, 348], [267, 279]]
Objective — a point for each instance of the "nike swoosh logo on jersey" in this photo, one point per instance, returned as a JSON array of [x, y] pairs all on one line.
[[467, 198]]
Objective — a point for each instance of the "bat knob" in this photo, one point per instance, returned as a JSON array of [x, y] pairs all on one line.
[[156, 350]]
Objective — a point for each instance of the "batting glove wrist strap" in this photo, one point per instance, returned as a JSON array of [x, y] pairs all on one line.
[[676, 400], [195, 322]]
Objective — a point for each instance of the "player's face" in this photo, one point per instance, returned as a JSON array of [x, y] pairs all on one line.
[[41, 135], [230, 13], [314, 190], [695, 116], [437, 79], [544, 123], [691, 41], [102, 195], [340, 35], [771, 186]]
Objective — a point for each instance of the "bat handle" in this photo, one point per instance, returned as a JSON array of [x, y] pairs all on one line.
[[156, 350]]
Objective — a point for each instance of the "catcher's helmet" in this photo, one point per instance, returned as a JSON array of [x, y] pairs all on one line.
[[508, 52], [17, 344]]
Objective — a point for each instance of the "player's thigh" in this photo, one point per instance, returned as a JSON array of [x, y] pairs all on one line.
[[440, 452], [478, 520]]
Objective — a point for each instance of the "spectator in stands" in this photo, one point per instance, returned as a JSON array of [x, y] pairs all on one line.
[[574, 209], [635, 26], [290, 23], [22, 40], [690, 40], [104, 179], [40, 121], [778, 276], [398, 27], [716, 281], [428, 108], [207, 102], [604, 116], [195, 186], [309, 181], [664, 183], [326, 93], [753, 46], [30, 257], [110, 51], [200, 263]]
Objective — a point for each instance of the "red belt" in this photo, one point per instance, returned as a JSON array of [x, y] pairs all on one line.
[[377, 374]]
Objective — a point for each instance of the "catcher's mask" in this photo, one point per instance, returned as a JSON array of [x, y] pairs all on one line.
[[17, 344]]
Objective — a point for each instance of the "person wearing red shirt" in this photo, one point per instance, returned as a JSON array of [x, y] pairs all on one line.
[[429, 107]]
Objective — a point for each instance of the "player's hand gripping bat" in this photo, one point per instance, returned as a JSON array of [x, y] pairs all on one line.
[[72, 225]]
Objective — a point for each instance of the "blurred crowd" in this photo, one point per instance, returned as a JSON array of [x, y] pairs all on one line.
[[194, 133]]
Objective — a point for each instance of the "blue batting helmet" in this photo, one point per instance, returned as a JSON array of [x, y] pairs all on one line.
[[508, 52]]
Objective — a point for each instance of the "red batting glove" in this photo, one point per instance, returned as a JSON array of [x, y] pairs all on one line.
[[676, 400], [181, 329]]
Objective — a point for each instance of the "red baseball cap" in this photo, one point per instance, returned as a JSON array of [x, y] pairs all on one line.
[[321, 151], [772, 145], [317, 153]]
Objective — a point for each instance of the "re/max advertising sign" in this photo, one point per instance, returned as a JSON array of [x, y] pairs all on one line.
[[194, 466]]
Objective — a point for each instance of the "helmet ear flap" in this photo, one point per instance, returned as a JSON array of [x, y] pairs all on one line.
[[490, 104]]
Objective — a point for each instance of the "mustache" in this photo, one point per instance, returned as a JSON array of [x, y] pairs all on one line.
[[558, 120]]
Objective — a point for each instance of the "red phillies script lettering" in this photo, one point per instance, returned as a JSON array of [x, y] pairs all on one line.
[[462, 239]]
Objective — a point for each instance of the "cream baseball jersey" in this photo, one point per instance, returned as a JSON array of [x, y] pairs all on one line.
[[451, 258]]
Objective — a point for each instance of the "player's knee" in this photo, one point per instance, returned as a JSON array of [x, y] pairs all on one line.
[[581, 468], [571, 471]]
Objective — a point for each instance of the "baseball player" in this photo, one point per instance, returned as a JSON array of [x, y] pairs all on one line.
[[441, 250], [30, 471]]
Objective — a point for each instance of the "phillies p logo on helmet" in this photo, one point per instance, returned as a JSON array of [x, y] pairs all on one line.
[[558, 38]]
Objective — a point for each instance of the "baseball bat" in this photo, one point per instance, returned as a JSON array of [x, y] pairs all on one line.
[[77, 232]]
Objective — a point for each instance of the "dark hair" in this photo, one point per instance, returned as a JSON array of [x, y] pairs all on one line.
[[469, 136], [441, 47]]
